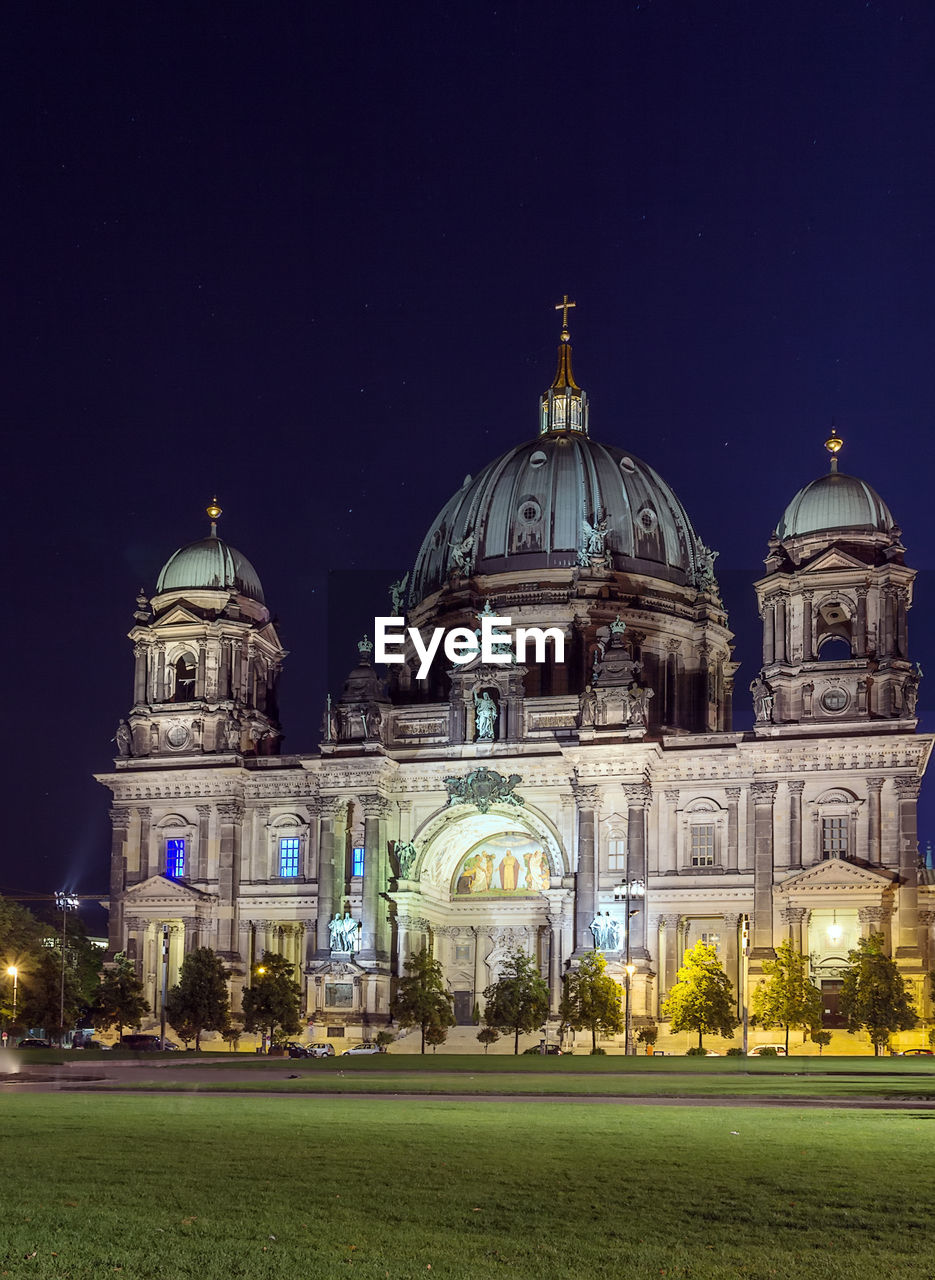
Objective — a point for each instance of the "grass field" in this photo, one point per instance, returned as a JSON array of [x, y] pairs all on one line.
[[298, 1187]]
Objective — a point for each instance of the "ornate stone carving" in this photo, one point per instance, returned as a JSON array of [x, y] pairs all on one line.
[[794, 915], [733, 793], [374, 806], [483, 787], [586, 796], [334, 807], [231, 811], [875, 784], [120, 819], [907, 788], [406, 855], [796, 786], [764, 792], [638, 794]]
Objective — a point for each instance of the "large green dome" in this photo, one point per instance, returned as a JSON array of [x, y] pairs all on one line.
[[212, 565], [835, 501]]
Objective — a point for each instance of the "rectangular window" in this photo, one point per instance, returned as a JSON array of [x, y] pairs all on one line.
[[289, 855], [357, 860], [617, 856], [175, 858], [834, 837], [712, 940], [702, 853]]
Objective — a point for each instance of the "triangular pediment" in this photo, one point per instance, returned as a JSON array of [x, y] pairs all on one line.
[[835, 558], [160, 891], [836, 875], [179, 614]]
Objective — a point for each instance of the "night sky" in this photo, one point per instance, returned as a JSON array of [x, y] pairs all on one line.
[[306, 257]]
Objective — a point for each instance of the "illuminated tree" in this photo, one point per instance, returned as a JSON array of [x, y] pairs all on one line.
[[200, 1002], [702, 999], [274, 997], [423, 1000], [875, 997], [787, 997], [519, 1000], [120, 1001], [591, 998]]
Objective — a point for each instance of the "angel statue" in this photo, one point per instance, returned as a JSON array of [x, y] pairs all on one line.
[[398, 596], [594, 538], [462, 553], [485, 714]]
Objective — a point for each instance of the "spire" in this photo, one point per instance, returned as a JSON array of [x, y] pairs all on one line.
[[564, 407], [833, 444], [213, 512]]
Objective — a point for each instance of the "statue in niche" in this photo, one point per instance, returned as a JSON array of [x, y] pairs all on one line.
[[124, 739], [373, 723], [406, 856], [910, 692], [350, 929], [606, 932], [808, 691], [485, 716], [763, 700], [587, 708], [593, 549]]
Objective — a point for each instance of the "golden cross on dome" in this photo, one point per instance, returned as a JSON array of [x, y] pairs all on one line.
[[564, 306]]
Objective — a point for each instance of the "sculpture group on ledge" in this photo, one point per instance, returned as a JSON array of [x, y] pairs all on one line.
[[606, 932], [344, 933]]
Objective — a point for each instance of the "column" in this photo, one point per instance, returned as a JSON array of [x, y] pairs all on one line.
[[907, 915], [807, 626], [332, 810], [310, 870], [198, 869], [663, 960], [638, 799], [796, 787], [481, 943], [902, 606], [860, 640], [795, 918], [586, 798], [769, 643], [230, 818], [886, 609], [733, 795], [374, 807], [874, 824], [311, 941], [200, 674], [780, 641], [674, 926], [160, 683], [926, 920], [731, 929], [669, 842], [147, 868], [139, 673], [120, 823], [764, 797]]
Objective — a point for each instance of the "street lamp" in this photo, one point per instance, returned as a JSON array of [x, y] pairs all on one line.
[[631, 969], [65, 902], [13, 972], [627, 891]]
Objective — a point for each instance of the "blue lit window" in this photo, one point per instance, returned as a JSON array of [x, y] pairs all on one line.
[[175, 858], [357, 861], [289, 855]]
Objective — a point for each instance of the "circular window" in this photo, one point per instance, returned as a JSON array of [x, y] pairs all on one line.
[[834, 699], [177, 735], [538, 459], [627, 465], [530, 511], [647, 519], [438, 537]]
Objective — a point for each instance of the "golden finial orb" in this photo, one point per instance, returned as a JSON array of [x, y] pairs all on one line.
[[833, 444], [212, 510]]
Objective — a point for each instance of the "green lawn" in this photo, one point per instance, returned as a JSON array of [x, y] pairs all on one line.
[[315, 1188]]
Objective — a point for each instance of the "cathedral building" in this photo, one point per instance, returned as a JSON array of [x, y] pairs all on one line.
[[591, 792]]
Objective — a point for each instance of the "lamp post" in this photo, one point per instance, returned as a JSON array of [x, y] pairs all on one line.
[[628, 890], [65, 902], [13, 972]]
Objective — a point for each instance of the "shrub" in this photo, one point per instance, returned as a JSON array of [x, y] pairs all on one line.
[[598, 1051], [768, 1052], [734, 1053], [696, 1051]]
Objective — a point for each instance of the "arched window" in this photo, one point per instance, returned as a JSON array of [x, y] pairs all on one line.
[[835, 818], [184, 679]]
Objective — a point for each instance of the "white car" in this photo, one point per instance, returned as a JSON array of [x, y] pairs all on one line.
[[358, 1049], [779, 1050]]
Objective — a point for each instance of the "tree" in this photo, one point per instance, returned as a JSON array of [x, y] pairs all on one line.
[[821, 1038], [273, 998], [648, 1035], [436, 1035], [422, 999], [591, 998], [200, 1002], [519, 1000], [788, 997], [120, 1001], [702, 999], [488, 1036], [875, 997]]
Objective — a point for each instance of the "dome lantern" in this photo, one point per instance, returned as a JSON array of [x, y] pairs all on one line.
[[564, 407]]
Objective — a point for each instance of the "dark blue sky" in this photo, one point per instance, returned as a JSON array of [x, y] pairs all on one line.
[[306, 256]]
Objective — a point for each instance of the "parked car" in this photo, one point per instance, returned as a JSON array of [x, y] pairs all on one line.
[[322, 1050], [778, 1049], [296, 1050], [918, 1053], [145, 1043], [367, 1047], [543, 1048], [34, 1042]]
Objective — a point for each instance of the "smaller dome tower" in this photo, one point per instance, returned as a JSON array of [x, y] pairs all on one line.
[[207, 659], [834, 603]]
